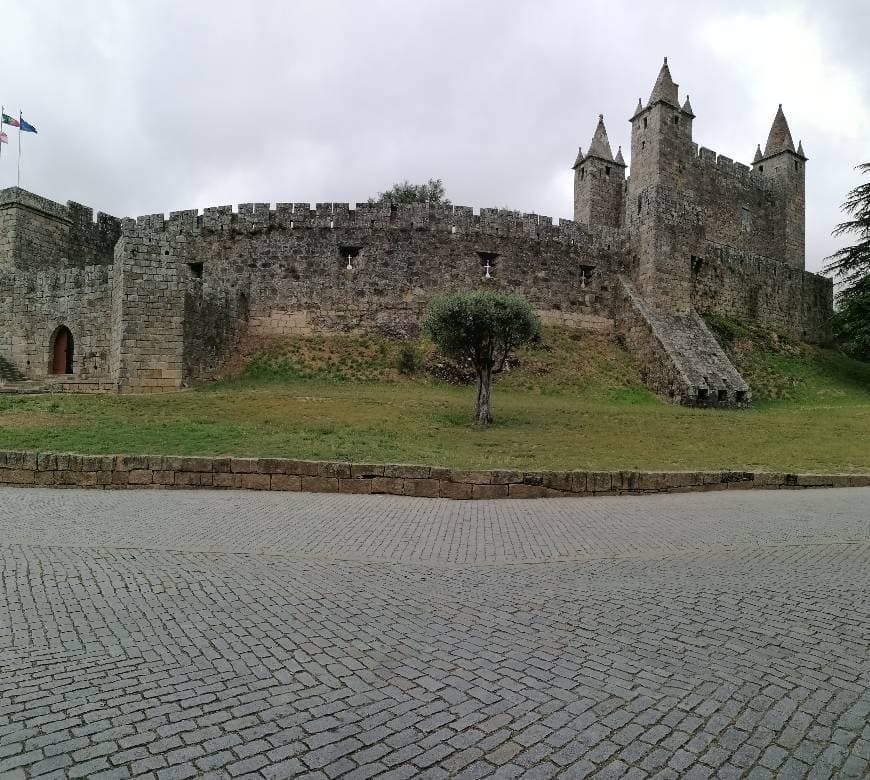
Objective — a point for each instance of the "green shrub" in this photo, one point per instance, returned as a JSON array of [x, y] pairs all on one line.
[[410, 359]]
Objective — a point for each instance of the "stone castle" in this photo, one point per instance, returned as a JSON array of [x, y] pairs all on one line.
[[149, 304]]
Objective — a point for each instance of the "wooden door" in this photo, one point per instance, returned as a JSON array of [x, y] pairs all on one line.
[[62, 358]]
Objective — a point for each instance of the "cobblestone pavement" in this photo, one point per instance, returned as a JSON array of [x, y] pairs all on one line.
[[205, 634]]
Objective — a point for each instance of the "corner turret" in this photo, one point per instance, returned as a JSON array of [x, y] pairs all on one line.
[[783, 167], [599, 181]]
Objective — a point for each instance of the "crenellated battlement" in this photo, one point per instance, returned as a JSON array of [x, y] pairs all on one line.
[[253, 218], [37, 232], [708, 161], [72, 212]]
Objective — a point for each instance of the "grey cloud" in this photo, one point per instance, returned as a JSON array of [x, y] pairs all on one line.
[[160, 106]]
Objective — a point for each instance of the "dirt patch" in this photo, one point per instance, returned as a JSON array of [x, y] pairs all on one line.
[[35, 419]]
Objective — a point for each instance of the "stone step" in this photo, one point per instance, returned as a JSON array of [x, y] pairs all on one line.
[[9, 372]]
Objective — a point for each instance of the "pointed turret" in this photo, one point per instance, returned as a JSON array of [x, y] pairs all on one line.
[[758, 155], [664, 89], [638, 109], [580, 157], [599, 182], [687, 108], [600, 146], [619, 159], [779, 139], [800, 150]]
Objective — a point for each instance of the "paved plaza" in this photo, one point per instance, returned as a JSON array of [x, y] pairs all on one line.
[[233, 634]]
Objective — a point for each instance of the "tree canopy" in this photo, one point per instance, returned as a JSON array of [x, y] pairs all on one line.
[[432, 192], [851, 264], [481, 327]]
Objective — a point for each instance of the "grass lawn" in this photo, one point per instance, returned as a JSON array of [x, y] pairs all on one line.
[[575, 401]]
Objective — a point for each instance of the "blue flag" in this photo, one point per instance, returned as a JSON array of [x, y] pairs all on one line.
[[26, 127]]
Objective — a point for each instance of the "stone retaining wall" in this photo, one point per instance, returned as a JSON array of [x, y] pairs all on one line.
[[144, 471]]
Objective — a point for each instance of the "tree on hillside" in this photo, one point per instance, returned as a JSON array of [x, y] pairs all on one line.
[[432, 193], [852, 265], [483, 328]]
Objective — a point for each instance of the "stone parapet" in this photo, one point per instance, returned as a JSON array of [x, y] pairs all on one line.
[[256, 218], [48, 469]]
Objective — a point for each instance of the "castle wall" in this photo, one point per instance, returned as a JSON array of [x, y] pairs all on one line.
[[54, 270], [34, 304], [764, 292], [751, 210], [36, 233], [286, 269], [740, 209]]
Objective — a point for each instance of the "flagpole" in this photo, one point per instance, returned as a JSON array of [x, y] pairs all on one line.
[[19, 149]]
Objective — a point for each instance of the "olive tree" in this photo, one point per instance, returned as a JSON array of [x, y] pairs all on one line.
[[481, 327]]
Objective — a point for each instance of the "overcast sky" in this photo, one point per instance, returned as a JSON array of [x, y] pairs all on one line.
[[158, 106]]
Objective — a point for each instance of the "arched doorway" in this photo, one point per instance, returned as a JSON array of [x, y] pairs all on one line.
[[62, 351]]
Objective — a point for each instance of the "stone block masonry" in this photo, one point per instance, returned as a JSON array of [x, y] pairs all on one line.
[[49, 469]]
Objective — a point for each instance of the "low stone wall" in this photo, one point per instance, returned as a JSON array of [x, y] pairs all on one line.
[[143, 471]]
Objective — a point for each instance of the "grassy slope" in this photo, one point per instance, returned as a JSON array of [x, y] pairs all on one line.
[[573, 402]]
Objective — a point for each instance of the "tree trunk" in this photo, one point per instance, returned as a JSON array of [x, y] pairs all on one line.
[[482, 413]]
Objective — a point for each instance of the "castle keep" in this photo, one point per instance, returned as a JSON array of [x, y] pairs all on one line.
[[147, 304]]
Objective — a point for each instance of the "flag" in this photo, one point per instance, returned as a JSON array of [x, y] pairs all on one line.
[[26, 127], [4, 139], [10, 120]]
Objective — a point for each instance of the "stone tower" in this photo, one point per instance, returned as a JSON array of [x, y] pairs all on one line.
[[661, 135], [661, 148], [599, 182], [783, 167]]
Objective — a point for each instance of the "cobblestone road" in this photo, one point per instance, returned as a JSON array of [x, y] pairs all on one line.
[[194, 634]]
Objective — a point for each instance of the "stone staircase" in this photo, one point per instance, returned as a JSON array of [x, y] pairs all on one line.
[[9, 372], [682, 359], [12, 381]]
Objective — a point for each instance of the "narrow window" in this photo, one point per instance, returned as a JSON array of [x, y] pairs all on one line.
[[796, 166], [645, 123], [676, 119], [195, 270], [607, 170], [638, 204], [761, 169], [582, 174], [745, 219]]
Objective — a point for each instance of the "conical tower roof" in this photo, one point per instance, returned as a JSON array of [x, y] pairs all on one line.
[[600, 146], [758, 155], [619, 159], [638, 109], [580, 157], [800, 149], [664, 88], [687, 107], [779, 139]]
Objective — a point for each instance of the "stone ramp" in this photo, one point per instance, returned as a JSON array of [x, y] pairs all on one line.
[[682, 359], [9, 371]]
